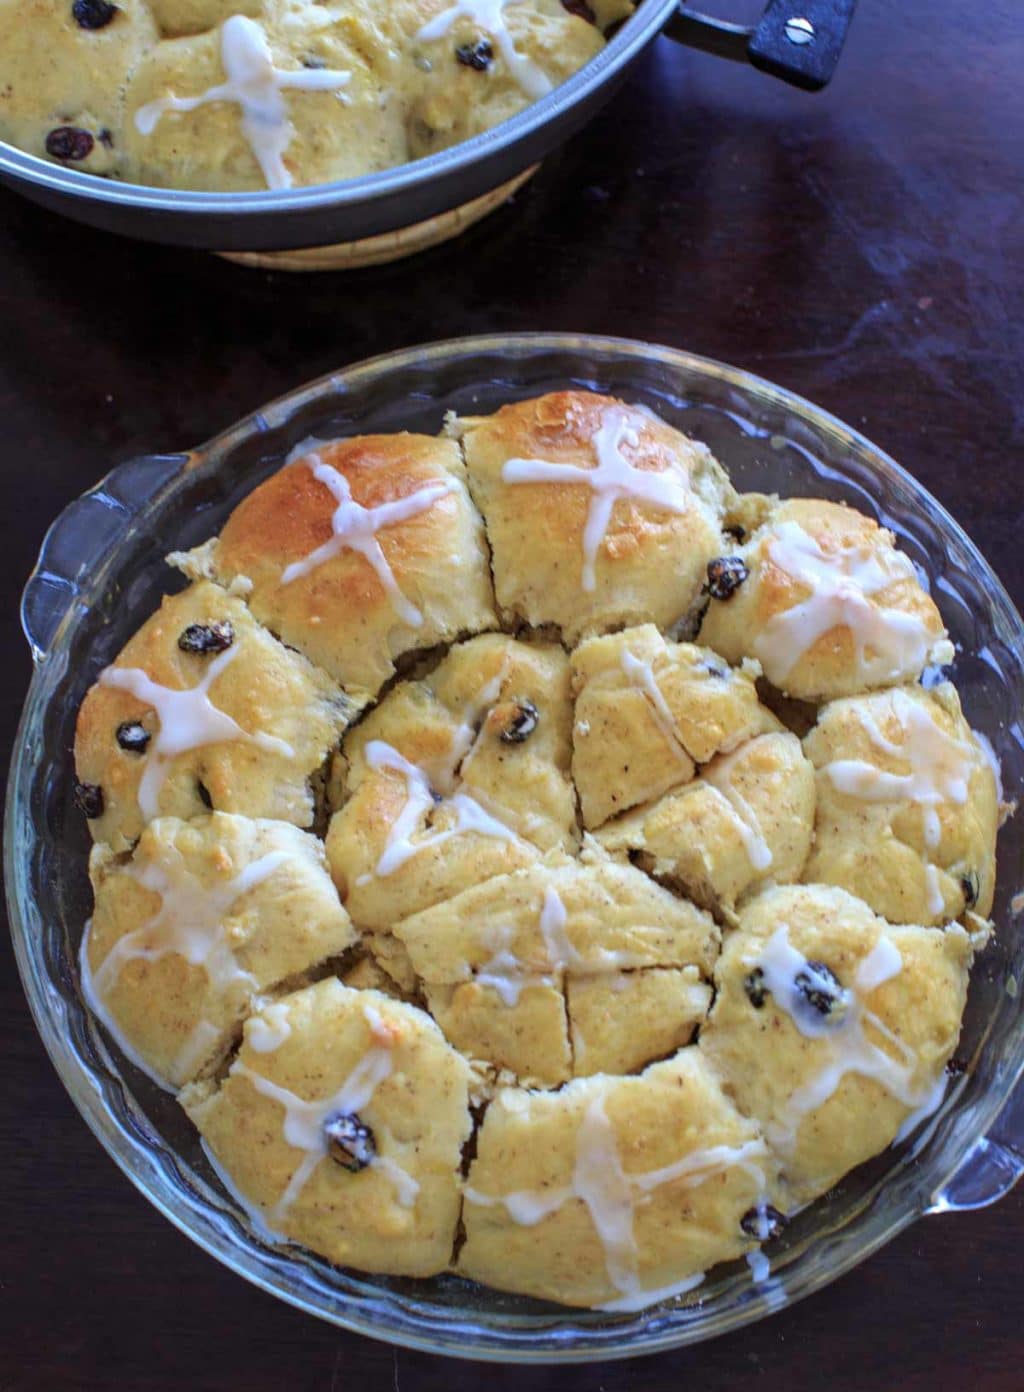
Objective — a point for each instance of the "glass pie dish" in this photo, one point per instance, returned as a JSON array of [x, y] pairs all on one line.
[[98, 576]]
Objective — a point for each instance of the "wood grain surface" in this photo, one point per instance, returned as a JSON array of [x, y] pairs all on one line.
[[865, 248]]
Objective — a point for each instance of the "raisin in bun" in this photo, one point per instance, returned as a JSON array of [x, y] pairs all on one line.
[[598, 514], [661, 1166], [461, 80], [202, 918], [341, 1124], [822, 598], [63, 69], [908, 805], [831, 1027], [203, 709], [242, 95], [455, 777], [358, 551], [519, 969]]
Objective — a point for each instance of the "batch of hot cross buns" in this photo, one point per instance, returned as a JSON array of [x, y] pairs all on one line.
[[237, 95], [526, 855]]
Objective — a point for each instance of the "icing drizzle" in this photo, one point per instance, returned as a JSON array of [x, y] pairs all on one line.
[[612, 479], [600, 1182], [489, 16], [557, 943], [718, 776], [99, 1009], [420, 798], [467, 735], [842, 584], [641, 675], [509, 976], [847, 1048], [256, 85], [303, 1126], [940, 768], [189, 922], [355, 528], [188, 720]]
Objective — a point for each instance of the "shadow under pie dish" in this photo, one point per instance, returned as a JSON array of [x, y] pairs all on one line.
[[570, 968]]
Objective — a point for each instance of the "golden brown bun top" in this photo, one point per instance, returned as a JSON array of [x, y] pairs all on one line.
[[746, 821], [259, 723], [489, 804], [830, 1027], [829, 608], [391, 577], [204, 916], [383, 1066], [908, 805], [666, 1148], [646, 563], [649, 712]]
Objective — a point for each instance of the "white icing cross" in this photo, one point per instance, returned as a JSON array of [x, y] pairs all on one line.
[[188, 720], [469, 815], [355, 528], [847, 1047], [613, 478], [489, 16], [304, 1121], [842, 583], [940, 771], [509, 976], [97, 1007], [504, 972], [601, 1183], [256, 85], [189, 922]]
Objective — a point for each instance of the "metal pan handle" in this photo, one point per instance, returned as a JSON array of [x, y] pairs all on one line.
[[798, 41], [82, 536]]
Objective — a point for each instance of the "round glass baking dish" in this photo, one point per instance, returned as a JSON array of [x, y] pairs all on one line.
[[98, 576]]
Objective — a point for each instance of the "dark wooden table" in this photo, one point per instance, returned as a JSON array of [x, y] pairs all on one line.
[[864, 247]]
